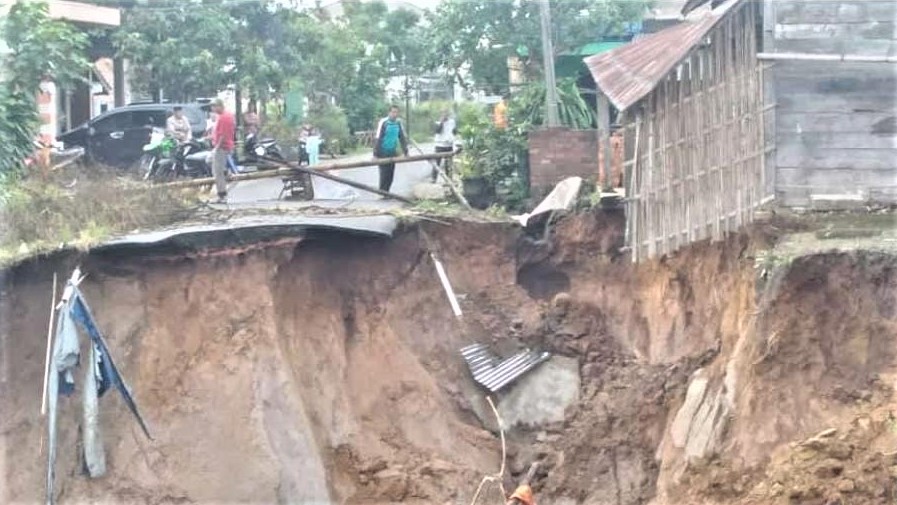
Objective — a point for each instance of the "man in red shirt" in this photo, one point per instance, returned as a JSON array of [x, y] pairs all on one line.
[[223, 145]]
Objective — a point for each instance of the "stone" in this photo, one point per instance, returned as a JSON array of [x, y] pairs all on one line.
[[561, 301], [542, 396], [693, 400], [846, 486], [436, 467], [429, 191]]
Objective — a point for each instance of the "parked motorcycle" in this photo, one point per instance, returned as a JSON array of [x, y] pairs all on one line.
[[193, 160], [164, 159], [157, 162], [255, 149]]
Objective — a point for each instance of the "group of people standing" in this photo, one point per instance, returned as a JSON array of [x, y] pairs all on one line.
[[390, 140]]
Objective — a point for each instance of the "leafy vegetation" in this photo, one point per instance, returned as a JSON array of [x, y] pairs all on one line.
[[192, 49], [480, 35], [529, 106], [499, 155], [40, 48], [70, 209]]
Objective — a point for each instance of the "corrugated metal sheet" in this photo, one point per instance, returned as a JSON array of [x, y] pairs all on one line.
[[627, 74], [493, 374]]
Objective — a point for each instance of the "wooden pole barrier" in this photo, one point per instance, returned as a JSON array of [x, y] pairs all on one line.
[[289, 169], [455, 191], [338, 179]]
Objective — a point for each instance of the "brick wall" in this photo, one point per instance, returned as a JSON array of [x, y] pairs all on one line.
[[558, 153]]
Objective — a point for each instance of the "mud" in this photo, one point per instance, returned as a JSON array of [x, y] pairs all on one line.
[[326, 371]]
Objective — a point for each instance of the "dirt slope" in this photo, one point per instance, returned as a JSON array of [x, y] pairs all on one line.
[[327, 372]]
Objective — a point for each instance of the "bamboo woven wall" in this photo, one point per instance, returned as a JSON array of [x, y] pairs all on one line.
[[698, 165]]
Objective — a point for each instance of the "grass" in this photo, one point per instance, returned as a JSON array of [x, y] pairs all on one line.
[[81, 207]]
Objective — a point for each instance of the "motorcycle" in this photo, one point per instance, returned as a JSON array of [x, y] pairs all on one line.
[[157, 162], [254, 150], [164, 159], [193, 160]]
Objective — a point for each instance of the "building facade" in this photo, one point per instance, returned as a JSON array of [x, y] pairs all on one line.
[[832, 84]]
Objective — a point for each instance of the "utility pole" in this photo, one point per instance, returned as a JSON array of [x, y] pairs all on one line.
[[552, 118]]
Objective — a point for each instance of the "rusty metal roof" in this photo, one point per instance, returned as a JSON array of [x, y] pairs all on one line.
[[627, 74]]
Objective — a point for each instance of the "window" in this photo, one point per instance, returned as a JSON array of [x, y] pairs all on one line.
[[112, 123], [140, 118]]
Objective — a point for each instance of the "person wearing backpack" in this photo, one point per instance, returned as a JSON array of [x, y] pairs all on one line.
[[389, 138], [445, 130]]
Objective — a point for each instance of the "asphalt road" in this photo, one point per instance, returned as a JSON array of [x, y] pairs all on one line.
[[263, 193]]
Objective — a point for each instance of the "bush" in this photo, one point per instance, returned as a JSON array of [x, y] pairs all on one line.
[[278, 128], [528, 107], [496, 155], [424, 116], [334, 126]]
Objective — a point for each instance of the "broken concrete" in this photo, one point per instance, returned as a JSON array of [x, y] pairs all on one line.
[[542, 396]]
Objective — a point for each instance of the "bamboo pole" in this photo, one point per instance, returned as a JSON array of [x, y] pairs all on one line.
[[633, 196], [342, 180], [451, 184], [289, 169], [43, 397]]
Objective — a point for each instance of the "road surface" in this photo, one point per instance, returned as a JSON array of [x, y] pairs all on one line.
[[263, 193]]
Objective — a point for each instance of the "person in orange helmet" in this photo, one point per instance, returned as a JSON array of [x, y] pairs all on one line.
[[523, 495]]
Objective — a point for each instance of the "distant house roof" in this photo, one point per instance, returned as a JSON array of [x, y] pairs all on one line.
[[596, 48], [571, 64], [627, 74], [80, 12]]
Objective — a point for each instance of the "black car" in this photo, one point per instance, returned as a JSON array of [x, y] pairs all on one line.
[[117, 137]]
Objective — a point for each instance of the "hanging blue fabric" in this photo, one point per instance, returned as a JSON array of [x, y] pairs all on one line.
[[109, 374]]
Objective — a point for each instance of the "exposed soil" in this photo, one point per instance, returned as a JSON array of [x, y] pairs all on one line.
[[327, 371]]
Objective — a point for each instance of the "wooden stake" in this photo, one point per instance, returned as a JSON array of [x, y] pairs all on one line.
[[454, 189], [43, 398]]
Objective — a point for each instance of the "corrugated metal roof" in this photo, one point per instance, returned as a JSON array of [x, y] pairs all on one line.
[[627, 74]]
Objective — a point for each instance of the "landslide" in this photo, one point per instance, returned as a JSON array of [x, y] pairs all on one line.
[[326, 371]]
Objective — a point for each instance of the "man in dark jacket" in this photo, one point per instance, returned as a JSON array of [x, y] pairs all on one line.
[[389, 138]]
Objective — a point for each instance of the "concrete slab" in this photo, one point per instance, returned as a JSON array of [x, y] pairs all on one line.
[[542, 396], [251, 229]]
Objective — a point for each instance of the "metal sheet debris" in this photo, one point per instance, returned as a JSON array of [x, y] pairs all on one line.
[[494, 374]]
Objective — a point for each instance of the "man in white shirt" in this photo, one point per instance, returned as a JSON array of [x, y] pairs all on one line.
[[178, 126], [446, 129]]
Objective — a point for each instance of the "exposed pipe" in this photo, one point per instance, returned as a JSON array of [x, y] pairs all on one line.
[[453, 300], [854, 58]]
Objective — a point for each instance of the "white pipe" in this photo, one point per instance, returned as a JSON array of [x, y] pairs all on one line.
[[855, 58], [453, 300]]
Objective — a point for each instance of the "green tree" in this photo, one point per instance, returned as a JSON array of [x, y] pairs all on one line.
[[40, 48], [482, 34], [182, 48]]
